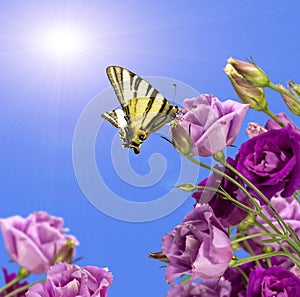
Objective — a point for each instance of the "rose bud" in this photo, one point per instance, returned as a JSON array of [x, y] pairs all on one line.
[[293, 105], [251, 72], [246, 91]]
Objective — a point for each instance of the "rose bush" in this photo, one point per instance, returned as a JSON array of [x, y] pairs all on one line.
[[211, 124], [65, 279], [199, 246], [34, 241]]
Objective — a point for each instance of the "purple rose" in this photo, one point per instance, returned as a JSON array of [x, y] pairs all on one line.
[[224, 210], [271, 161], [199, 246], [34, 241], [271, 124], [274, 281], [211, 124], [289, 210], [70, 280], [8, 278], [220, 288]]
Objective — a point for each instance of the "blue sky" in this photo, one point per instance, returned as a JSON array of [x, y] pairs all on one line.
[[44, 93]]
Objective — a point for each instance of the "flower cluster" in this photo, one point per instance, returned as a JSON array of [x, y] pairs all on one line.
[[40, 245], [249, 201]]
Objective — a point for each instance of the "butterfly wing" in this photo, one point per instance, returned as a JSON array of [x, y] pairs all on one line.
[[128, 85]]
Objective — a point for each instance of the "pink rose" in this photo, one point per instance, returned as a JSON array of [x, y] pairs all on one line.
[[199, 246], [212, 125], [33, 242], [69, 280]]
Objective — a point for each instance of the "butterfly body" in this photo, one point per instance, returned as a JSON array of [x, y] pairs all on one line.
[[143, 109]]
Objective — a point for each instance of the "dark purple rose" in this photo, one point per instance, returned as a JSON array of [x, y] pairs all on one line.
[[33, 242], [271, 124], [224, 210], [8, 278], [289, 210], [271, 161], [220, 288], [211, 124], [273, 281], [70, 280], [199, 246]]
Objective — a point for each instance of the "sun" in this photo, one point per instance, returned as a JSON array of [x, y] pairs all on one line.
[[62, 41]]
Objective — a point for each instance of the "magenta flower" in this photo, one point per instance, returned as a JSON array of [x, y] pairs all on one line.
[[211, 124], [289, 210], [34, 241], [8, 278], [224, 210], [70, 280], [273, 281], [271, 161], [220, 288], [199, 246]]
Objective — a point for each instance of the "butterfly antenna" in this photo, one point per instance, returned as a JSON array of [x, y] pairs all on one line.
[[175, 90]]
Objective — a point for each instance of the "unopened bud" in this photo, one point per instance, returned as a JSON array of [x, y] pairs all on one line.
[[180, 138], [293, 106], [251, 72], [187, 187], [295, 87], [247, 93], [65, 254]]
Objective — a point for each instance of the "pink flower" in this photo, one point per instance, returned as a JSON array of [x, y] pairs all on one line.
[[70, 280], [211, 125], [34, 241], [199, 246]]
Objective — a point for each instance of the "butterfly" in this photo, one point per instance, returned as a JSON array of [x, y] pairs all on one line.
[[144, 110]]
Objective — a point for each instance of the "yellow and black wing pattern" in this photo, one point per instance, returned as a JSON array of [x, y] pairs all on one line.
[[143, 109]]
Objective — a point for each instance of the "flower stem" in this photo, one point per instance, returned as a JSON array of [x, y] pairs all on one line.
[[268, 112], [264, 256], [11, 283], [253, 236], [221, 173], [23, 288], [226, 197]]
